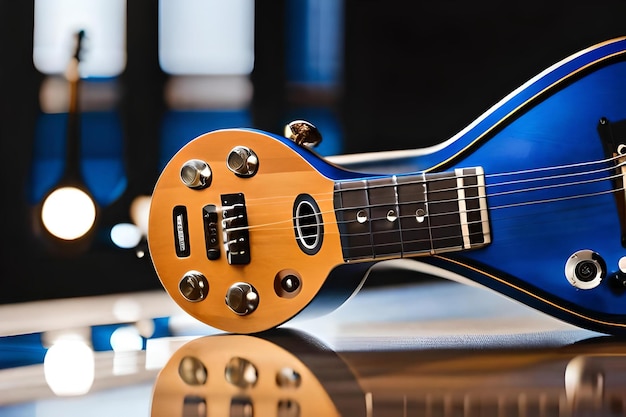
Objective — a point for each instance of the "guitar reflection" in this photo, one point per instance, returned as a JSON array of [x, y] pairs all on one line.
[[287, 373]]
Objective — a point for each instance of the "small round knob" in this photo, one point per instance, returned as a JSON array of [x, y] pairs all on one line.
[[242, 161], [196, 174], [194, 286], [192, 371], [303, 133], [241, 373], [585, 269], [242, 298]]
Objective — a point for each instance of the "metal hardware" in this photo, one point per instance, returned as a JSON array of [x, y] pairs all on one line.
[[242, 161], [194, 286], [585, 269], [242, 298], [196, 174], [303, 133]]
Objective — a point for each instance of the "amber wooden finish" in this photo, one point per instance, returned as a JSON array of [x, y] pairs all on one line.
[[282, 175], [309, 396]]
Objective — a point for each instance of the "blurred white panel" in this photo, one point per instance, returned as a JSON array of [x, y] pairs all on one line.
[[104, 47], [206, 37]]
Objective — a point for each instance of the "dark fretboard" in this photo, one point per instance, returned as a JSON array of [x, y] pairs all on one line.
[[408, 215]]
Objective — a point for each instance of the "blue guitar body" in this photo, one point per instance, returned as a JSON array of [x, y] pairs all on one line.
[[554, 120], [552, 234]]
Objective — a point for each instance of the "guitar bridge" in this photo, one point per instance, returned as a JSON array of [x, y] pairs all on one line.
[[235, 229], [613, 135]]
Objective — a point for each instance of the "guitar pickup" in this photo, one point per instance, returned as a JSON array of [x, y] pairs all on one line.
[[211, 237], [235, 229]]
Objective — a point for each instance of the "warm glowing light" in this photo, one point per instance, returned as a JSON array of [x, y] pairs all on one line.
[[69, 367], [68, 213]]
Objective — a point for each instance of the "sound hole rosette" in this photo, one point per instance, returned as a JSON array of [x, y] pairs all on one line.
[[308, 224]]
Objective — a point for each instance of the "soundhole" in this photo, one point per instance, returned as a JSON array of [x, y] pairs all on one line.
[[307, 222]]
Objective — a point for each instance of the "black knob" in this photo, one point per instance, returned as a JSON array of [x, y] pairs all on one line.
[[586, 270]]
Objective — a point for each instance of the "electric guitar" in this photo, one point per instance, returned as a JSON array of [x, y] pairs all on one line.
[[248, 229]]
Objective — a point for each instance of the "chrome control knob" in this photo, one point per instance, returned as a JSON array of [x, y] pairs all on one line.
[[242, 298], [194, 286], [242, 161], [303, 133], [585, 269], [196, 174]]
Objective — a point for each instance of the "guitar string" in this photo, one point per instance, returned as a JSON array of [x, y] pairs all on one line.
[[429, 240], [419, 180], [545, 178], [501, 193], [496, 194], [403, 229], [458, 234], [454, 200], [476, 197]]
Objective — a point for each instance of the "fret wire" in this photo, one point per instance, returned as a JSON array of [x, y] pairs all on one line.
[[369, 215], [462, 208], [427, 217], [397, 206]]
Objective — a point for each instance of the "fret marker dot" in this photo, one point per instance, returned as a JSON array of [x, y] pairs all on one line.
[[361, 216], [419, 215], [391, 216]]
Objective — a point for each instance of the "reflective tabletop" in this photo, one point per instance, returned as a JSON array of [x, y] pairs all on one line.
[[431, 348]]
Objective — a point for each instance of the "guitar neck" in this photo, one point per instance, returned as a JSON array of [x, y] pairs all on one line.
[[411, 215]]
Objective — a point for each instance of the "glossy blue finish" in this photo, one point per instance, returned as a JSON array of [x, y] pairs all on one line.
[[532, 242], [549, 122]]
